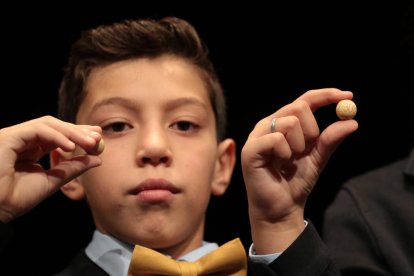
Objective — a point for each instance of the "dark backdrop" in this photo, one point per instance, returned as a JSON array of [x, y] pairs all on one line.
[[265, 56]]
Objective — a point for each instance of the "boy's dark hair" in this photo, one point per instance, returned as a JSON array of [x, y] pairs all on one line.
[[131, 39]]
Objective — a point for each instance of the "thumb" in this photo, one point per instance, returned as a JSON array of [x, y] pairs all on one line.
[[332, 137], [66, 170]]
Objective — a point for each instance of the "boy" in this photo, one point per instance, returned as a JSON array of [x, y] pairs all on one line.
[[149, 90]]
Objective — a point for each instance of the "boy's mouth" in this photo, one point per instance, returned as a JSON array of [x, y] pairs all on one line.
[[155, 190]]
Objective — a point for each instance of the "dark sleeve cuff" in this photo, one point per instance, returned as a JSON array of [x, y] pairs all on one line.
[[307, 255]]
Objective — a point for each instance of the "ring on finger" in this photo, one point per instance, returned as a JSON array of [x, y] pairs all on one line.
[[273, 125]]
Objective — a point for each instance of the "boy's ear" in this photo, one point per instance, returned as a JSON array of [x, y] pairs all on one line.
[[73, 189], [224, 166]]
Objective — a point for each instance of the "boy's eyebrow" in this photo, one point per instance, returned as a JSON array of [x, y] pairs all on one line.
[[131, 105], [185, 101], [113, 101]]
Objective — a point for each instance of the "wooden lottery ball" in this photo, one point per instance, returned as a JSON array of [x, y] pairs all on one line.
[[98, 149], [346, 109]]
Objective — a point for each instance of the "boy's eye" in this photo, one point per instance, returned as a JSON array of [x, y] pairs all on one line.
[[116, 127], [184, 126]]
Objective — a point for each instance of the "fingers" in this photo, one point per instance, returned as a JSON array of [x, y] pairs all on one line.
[[273, 147], [288, 127], [67, 170], [39, 136], [297, 124], [322, 97]]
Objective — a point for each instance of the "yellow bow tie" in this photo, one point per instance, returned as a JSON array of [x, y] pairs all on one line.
[[228, 259]]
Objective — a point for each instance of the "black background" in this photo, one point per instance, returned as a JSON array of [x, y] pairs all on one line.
[[266, 55]]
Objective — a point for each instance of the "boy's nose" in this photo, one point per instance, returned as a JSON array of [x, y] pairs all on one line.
[[154, 149], [155, 160]]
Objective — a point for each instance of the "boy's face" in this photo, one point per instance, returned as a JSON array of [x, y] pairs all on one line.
[[161, 160]]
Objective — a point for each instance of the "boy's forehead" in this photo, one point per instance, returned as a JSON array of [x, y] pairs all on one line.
[[168, 71], [166, 63], [165, 80]]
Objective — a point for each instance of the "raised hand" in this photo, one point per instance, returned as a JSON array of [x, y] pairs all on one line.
[[23, 180], [282, 160]]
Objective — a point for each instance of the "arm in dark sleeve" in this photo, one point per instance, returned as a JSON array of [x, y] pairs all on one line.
[[308, 255]]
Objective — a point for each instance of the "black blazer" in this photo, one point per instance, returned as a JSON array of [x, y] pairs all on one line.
[[370, 225], [306, 256]]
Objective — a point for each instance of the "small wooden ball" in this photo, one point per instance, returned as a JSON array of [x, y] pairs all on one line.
[[346, 109], [99, 148]]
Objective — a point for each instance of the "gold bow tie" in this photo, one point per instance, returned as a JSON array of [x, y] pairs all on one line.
[[228, 259]]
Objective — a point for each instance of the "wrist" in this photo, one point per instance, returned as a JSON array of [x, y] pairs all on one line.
[[272, 237]]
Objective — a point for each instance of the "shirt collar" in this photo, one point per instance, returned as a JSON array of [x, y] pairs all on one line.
[[196, 254], [114, 256]]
